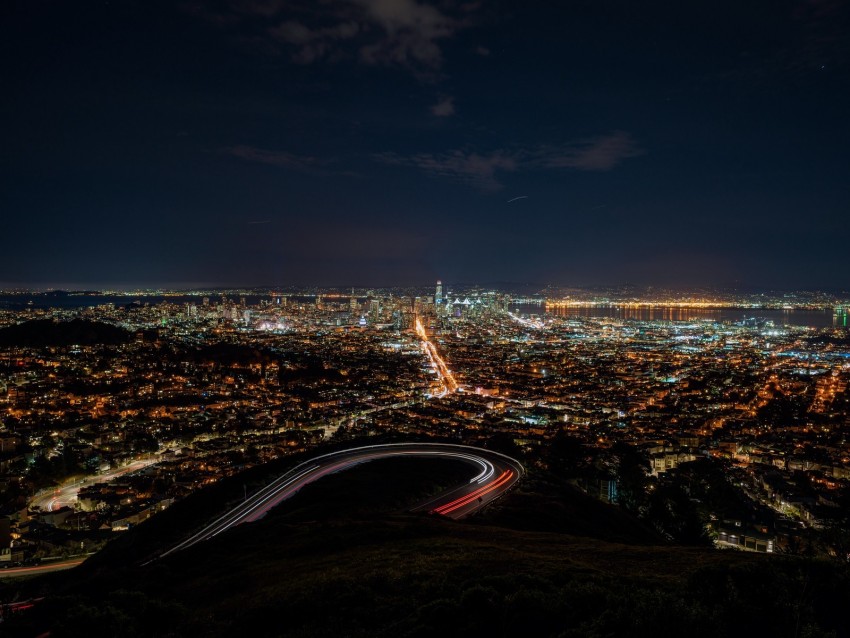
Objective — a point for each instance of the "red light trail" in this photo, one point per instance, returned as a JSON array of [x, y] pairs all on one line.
[[466, 500]]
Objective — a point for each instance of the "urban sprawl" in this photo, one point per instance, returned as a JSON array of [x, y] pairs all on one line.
[[110, 412]]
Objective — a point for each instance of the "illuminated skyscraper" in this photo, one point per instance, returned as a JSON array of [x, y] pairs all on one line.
[[438, 296]]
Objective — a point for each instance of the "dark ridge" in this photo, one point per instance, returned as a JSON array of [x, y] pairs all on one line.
[[544, 502], [229, 354], [343, 558], [46, 332]]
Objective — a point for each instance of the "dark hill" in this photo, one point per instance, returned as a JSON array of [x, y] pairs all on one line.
[[46, 332], [343, 559], [544, 502], [229, 354]]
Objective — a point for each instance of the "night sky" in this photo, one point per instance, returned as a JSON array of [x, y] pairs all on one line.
[[383, 142]]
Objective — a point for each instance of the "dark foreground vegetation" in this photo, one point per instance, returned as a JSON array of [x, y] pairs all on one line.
[[344, 559]]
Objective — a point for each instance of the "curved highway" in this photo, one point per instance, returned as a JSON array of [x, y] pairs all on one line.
[[43, 568], [66, 494], [495, 475]]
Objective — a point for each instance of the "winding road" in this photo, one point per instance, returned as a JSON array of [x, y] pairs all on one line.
[[66, 494], [496, 474], [43, 568]]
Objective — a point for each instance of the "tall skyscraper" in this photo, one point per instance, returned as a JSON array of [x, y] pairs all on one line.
[[438, 296]]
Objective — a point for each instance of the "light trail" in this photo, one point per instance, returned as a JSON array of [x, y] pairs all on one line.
[[292, 486], [66, 495], [241, 511], [497, 472], [447, 380], [448, 508], [44, 568]]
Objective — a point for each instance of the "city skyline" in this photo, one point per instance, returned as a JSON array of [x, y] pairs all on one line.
[[382, 143], [532, 288]]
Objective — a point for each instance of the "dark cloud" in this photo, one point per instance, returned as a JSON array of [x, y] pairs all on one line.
[[266, 8], [411, 33], [481, 170], [464, 166], [399, 33], [282, 159], [444, 107], [597, 154], [821, 39], [311, 45]]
